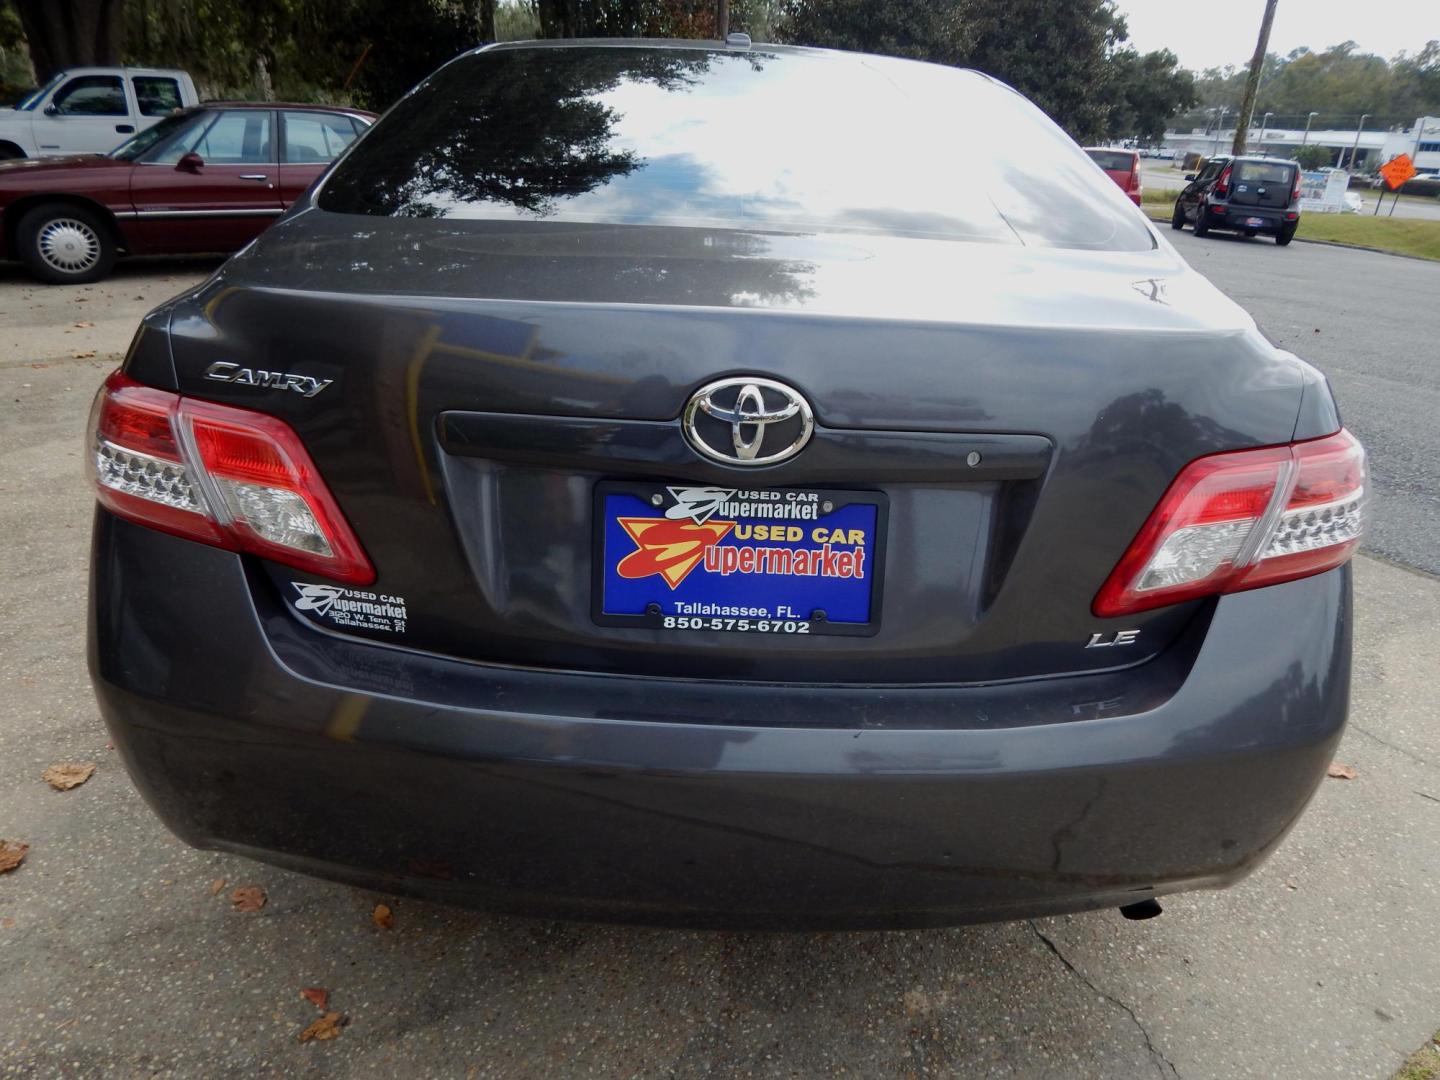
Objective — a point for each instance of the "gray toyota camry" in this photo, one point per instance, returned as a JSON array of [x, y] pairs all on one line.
[[717, 484]]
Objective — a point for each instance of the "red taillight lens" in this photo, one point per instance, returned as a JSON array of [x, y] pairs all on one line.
[[224, 476], [1241, 520], [1295, 191], [1222, 186]]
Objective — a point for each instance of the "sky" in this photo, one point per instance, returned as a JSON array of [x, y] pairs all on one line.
[[1220, 32]]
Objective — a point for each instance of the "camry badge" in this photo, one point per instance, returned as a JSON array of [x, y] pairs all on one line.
[[222, 371], [748, 421]]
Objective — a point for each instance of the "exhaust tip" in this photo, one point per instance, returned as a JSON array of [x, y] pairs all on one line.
[[1141, 910]]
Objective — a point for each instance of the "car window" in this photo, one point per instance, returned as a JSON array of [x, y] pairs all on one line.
[[316, 137], [779, 141], [174, 127], [156, 95], [233, 137], [91, 95], [1256, 172], [1119, 160], [1210, 172]]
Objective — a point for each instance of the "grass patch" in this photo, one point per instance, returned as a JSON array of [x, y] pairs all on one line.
[[1399, 236], [1158, 195], [1423, 1064]]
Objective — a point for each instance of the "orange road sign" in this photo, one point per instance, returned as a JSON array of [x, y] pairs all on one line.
[[1397, 170]]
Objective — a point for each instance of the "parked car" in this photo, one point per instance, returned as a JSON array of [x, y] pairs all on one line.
[[1122, 166], [90, 110], [705, 496], [1248, 195], [204, 179]]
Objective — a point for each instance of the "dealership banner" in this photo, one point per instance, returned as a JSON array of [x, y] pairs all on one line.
[[1324, 192]]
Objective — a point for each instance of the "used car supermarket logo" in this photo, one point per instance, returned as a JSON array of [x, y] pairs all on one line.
[[689, 534], [352, 607]]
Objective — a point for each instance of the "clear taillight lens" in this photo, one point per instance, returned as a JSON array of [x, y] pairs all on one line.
[[224, 476], [1244, 519]]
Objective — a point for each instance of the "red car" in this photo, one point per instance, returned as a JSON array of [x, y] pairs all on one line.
[[209, 178], [1122, 166]]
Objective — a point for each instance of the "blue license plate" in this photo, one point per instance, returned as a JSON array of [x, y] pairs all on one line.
[[698, 558]]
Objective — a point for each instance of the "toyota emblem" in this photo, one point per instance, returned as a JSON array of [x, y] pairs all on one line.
[[748, 421]]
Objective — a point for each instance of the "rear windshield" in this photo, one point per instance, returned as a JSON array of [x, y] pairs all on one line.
[[1260, 172], [755, 140], [1119, 160]]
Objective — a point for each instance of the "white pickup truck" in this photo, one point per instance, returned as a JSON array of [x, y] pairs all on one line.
[[91, 110]]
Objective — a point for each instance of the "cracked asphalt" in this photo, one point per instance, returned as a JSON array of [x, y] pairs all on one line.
[[117, 960]]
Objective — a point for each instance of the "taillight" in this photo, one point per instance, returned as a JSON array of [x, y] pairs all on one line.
[[1295, 191], [1222, 186], [229, 477], [1241, 520]]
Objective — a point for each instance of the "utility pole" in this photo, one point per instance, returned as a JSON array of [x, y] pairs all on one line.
[[1308, 120], [1354, 150], [1252, 83], [722, 18]]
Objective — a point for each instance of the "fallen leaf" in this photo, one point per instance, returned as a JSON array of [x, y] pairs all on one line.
[[7, 923], [1290, 884], [82, 325], [317, 996], [82, 354], [12, 854], [68, 774], [1338, 771], [248, 898], [327, 1027], [216, 886], [382, 915]]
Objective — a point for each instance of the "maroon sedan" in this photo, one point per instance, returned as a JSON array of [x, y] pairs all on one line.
[[208, 178]]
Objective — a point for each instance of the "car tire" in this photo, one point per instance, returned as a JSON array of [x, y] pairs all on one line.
[[1200, 227], [1284, 236], [1177, 219], [65, 244]]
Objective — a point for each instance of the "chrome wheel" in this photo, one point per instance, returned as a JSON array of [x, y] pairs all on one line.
[[68, 245]]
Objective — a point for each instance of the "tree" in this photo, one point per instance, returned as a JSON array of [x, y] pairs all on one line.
[[918, 29], [1144, 92], [71, 33], [1314, 157], [1055, 52]]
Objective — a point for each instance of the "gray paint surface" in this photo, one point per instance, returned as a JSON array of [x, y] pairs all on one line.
[[120, 960]]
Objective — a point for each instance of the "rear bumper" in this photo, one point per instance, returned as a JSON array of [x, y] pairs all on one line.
[[1239, 218], [586, 796]]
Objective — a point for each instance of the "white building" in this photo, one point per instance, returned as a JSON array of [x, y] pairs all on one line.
[[1371, 150]]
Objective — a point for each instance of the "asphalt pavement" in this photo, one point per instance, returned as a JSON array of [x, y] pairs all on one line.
[[120, 955]]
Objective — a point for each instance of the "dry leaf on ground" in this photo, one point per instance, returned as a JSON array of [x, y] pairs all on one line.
[[216, 886], [1339, 771], [82, 354], [68, 774], [317, 996], [327, 1027], [248, 898], [7, 923], [12, 854], [84, 325], [383, 916]]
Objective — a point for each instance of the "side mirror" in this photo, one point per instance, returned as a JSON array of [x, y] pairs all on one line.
[[52, 110], [1189, 176], [191, 163]]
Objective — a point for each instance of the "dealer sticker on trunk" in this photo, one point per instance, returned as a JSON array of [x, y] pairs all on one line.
[[746, 561]]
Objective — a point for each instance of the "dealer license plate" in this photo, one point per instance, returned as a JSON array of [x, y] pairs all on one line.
[[1254, 221], [697, 558]]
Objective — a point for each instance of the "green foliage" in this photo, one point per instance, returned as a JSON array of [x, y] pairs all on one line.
[[918, 29], [1144, 92], [516, 20], [368, 52], [1314, 157], [1339, 84]]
